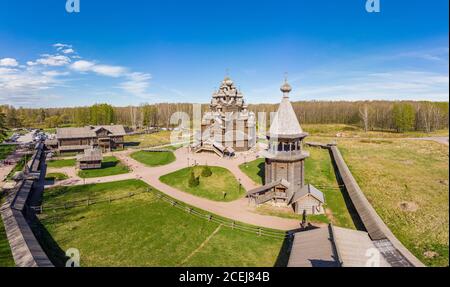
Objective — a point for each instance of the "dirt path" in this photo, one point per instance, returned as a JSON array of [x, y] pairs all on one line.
[[441, 140], [238, 210], [201, 245]]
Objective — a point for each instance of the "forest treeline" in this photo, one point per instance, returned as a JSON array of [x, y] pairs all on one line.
[[371, 115]]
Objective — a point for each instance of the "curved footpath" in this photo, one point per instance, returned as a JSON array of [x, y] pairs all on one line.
[[238, 210]]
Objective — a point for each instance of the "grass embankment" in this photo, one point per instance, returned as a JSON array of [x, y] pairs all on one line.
[[19, 167], [319, 172], [145, 231], [110, 166], [56, 176], [148, 140], [407, 183], [220, 186], [59, 163], [6, 150], [153, 158], [6, 259]]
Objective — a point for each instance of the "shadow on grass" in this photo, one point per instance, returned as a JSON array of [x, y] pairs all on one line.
[[54, 252], [261, 172], [348, 202], [131, 144], [109, 164]]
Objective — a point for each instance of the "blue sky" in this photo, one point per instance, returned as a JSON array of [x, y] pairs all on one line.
[[136, 51]]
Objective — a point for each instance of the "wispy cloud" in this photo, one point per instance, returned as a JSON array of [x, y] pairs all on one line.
[[25, 84]]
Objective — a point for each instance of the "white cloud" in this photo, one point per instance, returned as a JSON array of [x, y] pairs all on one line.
[[53, 60], [137, 84], [82, 66], [8, 62], [68, 51], [60, 46], [105, 70]]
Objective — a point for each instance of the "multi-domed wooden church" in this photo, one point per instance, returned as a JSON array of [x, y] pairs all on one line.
[[229, 126]]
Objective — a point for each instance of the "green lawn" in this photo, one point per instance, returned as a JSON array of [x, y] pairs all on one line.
[[407, 183], [144, 231], [254, 170], [221, 182], [6, 259], [6, 150], [59, 163], [110, 166], [56, 176], [319, 172], [153, 158]]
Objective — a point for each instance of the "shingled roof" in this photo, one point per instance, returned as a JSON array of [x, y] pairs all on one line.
[[69, 133], [89, 131], [285, 122]]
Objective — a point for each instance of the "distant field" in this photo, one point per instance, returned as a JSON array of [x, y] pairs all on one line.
[[145, 231], [110, 166], [220, 186], [407, 183], [6, 150], [148, 140], [318, 172], [331, 130], [153, 158]]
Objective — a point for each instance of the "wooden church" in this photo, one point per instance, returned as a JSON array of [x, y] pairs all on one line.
[[284, 165]]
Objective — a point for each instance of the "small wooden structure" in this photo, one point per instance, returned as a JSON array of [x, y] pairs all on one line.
[[91, 159]]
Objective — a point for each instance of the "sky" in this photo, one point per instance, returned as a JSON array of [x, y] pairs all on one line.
[[147, 51]]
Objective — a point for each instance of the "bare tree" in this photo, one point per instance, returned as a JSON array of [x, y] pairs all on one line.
[[364, 115]]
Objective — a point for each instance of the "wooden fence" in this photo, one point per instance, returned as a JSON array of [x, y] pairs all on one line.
[[182, 206]]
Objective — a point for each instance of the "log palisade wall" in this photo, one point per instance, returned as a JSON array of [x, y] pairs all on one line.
[[16, 215]]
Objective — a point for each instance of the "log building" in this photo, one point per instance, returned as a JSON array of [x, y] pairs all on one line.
[[106, 138]]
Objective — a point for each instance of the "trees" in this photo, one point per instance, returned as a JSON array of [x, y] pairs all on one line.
[[403, 115], [194, 181], [101, 114], [364, 115], [206, 171], [3, 127]]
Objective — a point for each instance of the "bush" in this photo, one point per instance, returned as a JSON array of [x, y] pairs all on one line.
[[193, 180], [206, 172]]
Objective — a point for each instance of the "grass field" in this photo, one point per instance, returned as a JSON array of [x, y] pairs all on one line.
[[407, 183], [110, 166], [145, 231], [56, 176], [153, 158], [331, 130], [318, 172], [254, 170], [6, 259], [59, 163], [6, 150], [148, 140], [221, 182]]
